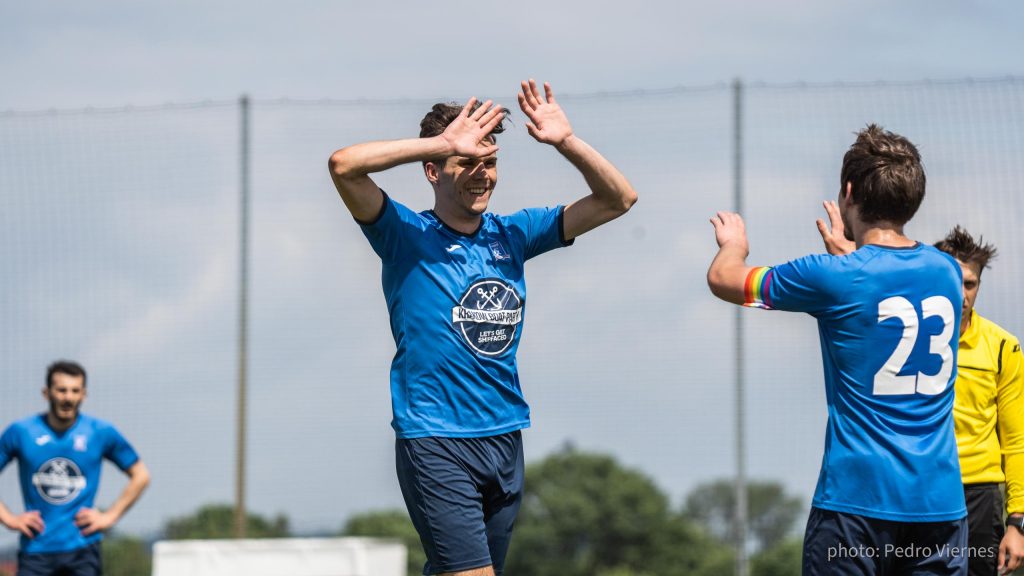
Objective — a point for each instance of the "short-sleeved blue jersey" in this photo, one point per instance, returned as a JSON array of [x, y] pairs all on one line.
[[888, 320], [60, 474], [457, 304]]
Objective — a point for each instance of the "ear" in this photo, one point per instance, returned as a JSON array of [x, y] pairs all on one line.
[[46, 392], [847, 195], [432, 171]]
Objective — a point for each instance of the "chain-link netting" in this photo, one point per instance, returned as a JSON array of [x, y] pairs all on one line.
[[119, 244]]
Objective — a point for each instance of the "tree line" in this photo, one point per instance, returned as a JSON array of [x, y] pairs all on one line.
[[583, 514]]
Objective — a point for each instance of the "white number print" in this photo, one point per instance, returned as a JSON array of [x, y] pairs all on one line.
[[887, 380]]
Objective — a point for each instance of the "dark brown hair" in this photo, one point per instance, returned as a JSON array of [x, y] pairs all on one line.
[[886, 176], [442, 114], [64, 367], [961, 245]]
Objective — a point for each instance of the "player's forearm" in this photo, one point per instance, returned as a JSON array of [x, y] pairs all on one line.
[[367, 158], [350, 168], [137, 483], [608, 186], [728, 273]]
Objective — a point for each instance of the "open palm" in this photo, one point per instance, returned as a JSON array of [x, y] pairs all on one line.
[[548, 123], [468, 133]]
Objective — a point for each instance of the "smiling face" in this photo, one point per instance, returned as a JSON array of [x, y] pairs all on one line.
[[462, 187], [64, 394]]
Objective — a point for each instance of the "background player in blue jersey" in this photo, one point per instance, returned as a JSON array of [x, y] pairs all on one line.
[[454, 285], [889, 498], [60, 454]]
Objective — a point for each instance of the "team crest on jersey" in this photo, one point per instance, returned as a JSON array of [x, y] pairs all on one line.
[[58, 480], [499, 252], [79, 445], [488, 315]]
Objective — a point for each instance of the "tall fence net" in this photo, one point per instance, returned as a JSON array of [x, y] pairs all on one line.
[[119, 248]]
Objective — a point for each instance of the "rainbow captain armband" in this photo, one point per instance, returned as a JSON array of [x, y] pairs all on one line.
[[755, 288]]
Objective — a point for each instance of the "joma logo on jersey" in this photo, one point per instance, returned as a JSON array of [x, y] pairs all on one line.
[[58, 480], [488, 315]]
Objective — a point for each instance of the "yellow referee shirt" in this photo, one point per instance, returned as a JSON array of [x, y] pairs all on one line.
[[989, 409]]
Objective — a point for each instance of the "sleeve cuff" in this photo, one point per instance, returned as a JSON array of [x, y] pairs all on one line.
[[561, 228]]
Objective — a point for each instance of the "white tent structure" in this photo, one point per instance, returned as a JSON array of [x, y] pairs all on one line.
[[280, 557]]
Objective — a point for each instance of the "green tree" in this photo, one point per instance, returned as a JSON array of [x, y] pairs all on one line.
[[584, 514], [783, 559], [771, 512], [218, 521], [126, 556], [390, 524]]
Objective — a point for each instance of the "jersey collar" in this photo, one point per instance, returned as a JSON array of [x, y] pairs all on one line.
[[453, 230]]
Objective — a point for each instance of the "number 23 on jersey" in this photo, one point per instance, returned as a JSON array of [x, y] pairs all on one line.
[[887, 379]]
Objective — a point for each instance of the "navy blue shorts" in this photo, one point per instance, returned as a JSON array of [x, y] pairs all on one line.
[[85, 561], [463, 495], [837, 543]]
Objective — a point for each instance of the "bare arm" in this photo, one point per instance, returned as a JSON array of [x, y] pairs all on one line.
[[29, 523], [728, 272], [350, 167], [611, 195], [91, 520]]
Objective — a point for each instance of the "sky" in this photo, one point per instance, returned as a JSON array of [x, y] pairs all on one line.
[[73, 55], [141, 287]]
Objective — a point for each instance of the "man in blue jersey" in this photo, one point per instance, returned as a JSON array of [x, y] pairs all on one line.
[[60, 454], [889, 498], [454, 285]]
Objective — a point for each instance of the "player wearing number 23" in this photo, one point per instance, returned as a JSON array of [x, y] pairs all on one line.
[[888, 323]]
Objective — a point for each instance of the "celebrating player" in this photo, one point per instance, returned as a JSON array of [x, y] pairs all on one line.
[[60, 454], [454, 286], [889, 498]]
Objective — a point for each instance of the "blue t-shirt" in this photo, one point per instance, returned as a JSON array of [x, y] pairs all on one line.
[[888, 320], [457, 304], [60, 474]]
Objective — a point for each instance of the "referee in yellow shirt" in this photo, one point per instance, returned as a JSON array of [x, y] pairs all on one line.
[[989, 416]]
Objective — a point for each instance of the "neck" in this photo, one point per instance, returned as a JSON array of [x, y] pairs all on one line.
[[59, 425], [965, 323], [881, 234]]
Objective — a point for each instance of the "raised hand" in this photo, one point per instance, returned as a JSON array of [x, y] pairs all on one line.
[[835, 240], [30, 523], [548, 123], [468, 133], [730, 230]]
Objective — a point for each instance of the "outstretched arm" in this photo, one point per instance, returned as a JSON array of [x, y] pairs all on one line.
[[465, 136], [91, 520], [728, 273], [610, 196], [30, 523]]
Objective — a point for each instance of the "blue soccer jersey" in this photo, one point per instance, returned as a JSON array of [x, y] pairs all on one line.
[[888, 320], [60, 473], [457, 304]]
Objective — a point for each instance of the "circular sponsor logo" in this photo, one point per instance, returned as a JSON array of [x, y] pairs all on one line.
[[488, 315], [58, 480]]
